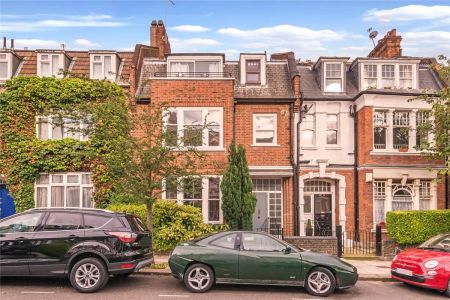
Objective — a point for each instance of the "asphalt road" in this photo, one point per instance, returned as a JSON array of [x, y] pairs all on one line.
[[165, 287]]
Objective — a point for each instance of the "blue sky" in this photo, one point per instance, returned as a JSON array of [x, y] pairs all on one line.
[[310, 28]]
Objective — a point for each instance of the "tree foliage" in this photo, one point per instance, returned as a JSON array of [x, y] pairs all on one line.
[[23, 156], [439, 122], [238, 200]]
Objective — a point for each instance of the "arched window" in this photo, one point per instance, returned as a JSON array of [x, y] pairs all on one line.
[[402, 198]]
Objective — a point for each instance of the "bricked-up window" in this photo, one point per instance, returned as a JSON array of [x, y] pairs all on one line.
[[194, 127], [380, 126], [49, 65], [332, 129], [400, 121], [264, 129], [64, 190], [405, 76], [379, 198], [4, 63], [102, 67], [56, 128], [333, 77], [202, 192], [253, 71], [387, 76], [370, 76]]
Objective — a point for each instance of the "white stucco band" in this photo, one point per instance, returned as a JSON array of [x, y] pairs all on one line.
[[341, 192]]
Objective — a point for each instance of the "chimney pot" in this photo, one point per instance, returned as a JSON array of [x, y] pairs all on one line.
[[12, 43], [154, 23], [160, 23], [4, 42]]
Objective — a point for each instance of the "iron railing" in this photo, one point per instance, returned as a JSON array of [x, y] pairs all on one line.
[[272, 228], [192, 74], [359, 242]]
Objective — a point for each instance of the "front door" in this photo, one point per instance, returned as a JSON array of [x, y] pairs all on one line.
[[323, 222], [263, 259], [15, 240], [260, 216]]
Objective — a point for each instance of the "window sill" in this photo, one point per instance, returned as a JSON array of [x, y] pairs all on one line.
[[264, 145], [393, 152], [333, 148], [310, 148]]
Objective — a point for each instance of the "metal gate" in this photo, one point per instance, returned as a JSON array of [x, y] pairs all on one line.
[[358, 242]]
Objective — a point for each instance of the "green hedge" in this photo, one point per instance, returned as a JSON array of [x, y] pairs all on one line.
[[135, 209], [415, 227], [172, 223]]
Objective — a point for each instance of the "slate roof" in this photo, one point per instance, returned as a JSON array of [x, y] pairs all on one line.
[[310, 84], [79, 66]]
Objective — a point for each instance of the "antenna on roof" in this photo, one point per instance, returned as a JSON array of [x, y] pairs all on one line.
[[372, 35], [165, 9]]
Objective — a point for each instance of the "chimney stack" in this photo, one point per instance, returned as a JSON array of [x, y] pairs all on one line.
[[4, 42], [12, 43], [159, 38], [388, 47]]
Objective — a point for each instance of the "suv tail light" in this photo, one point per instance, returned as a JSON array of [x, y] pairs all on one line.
[[126, 237]]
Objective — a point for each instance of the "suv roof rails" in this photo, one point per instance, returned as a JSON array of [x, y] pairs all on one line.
[[72, 208]]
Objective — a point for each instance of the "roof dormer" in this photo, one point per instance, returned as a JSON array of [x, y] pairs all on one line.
[[332, 72], [52, 63], [9, 62], [104, 65], [253, 69]]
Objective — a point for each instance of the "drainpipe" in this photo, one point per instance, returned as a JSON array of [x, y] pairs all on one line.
[[447, 192], [297, 170], [234, 120], [354, 114], [291, 158]]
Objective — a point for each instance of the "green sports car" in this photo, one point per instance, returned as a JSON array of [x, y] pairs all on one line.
[[243, 257]]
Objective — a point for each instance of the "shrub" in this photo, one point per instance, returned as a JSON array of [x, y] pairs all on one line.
[[173, 223], [415, 227], [134, 209]]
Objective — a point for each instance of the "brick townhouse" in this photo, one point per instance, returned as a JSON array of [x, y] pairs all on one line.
[[349, 160]]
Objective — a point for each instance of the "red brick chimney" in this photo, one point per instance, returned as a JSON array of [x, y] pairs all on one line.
[[388, 46], [159, 38]]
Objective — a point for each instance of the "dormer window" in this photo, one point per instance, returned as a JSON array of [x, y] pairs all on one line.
[[4, 66], [387, 76], [253, 71], [405, 76], [195, 67], [50, 65], [103, 66], [333, 77], [370, 76]]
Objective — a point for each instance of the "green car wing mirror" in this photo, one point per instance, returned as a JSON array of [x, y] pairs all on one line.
[[287, 250]]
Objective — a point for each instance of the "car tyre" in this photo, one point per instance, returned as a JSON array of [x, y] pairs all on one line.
[[198, 278], [89, 275], [320, 282], [447, 291]]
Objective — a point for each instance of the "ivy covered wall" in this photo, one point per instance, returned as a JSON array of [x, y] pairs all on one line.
[[100, 103]]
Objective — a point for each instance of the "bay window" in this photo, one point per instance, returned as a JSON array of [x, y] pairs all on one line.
[[201, 192], [380, 124], [264, 129], [333, 77], [400, 129], [64, 190], [422, 128], [194, 127]]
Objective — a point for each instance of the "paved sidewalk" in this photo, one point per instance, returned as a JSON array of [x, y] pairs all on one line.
[[369, 270]]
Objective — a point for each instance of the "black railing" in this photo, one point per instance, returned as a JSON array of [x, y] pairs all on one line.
[[273, 229], [359, 242], [192, 74]]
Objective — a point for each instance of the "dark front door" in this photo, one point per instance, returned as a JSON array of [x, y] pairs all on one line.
[[260, 216], [263, 259], [323, 215], [51, 247], [16, 234]]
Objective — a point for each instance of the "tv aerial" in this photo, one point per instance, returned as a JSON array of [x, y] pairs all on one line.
[[372, 35]]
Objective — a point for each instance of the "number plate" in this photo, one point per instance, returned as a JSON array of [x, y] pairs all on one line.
[[404, 272]]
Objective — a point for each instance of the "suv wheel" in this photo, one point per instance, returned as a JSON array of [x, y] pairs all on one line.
[[320, 282], [198, 278], [88, 275]]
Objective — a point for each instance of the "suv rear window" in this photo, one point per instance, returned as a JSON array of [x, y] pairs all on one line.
[[135, 223], [96, 221]]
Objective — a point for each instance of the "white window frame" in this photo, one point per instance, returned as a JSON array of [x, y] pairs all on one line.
[[307, 129], [337, 130], [366, 77], [61, 68], [205, 196], [325, 77], [194, 61], [65, 133], [8, 61], [384, 125], [397, 79], [275, 129], [260, 188], [64, 184], [111, 76], [205, 139]]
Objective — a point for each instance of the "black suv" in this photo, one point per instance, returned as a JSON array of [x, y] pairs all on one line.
[[87, 245]]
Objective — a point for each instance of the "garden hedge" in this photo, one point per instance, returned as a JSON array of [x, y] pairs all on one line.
[[172, 223], [415, 227]]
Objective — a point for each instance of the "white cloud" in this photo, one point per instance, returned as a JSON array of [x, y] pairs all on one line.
[[83, 43], [37, 44], [193, 44], [62, 22], [408, 13], [426, 43], [190, 28]]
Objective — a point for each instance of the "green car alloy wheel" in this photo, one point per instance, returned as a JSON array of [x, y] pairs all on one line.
[[244, 257]]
